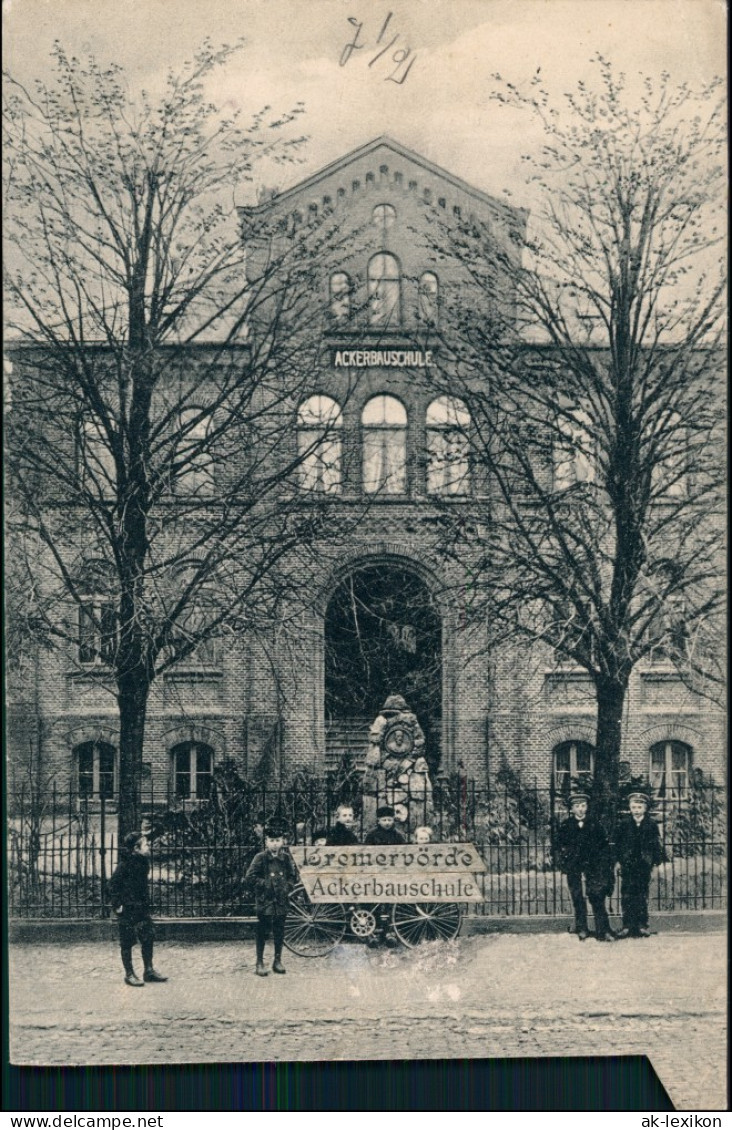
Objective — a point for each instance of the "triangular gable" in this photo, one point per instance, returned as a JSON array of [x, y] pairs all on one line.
[[429, 180]]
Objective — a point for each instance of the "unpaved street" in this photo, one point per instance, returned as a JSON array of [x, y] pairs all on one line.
[[496, 995]]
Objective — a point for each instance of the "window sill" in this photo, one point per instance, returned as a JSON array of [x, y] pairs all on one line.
[[436, 496], [94, 673], [572, 708], [94, 804], [379, 496], [387, 336], [354, 498], [567, 673], [194, 674], [670, 708]]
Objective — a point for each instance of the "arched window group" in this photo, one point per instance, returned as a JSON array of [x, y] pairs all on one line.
[[384, 283], [384, 444], [191, 770], [669, 767], [384, 294]]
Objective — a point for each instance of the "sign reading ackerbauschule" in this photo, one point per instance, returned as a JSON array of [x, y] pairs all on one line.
[[381, 358], [408, 873]]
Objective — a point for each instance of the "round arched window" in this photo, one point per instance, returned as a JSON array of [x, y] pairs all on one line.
[[319, 444], [340, 296], [384, 422], [429, 290], [574, 450], [670, 768], [573, 761], [194, 461], [448, 446], [383, 216], [384, 290], [95, 763], [192, 770]]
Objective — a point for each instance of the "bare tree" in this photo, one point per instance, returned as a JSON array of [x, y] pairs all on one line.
[[161, 355], [594, 393]]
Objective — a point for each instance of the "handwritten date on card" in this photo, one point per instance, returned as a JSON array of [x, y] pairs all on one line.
[[402, 57]]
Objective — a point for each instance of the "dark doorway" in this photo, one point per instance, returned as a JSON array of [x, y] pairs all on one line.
[[383, 635]]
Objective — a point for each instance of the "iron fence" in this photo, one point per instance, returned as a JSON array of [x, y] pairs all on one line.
[[62, 849]]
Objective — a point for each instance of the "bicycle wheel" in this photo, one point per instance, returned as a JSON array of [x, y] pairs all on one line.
[[312, 929], [426, 922]]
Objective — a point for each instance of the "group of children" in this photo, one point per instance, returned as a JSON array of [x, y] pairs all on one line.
[[271, 877], [583, 853], [385, 832]]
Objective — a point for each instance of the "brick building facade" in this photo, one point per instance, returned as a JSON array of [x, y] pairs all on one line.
[[393, 461]]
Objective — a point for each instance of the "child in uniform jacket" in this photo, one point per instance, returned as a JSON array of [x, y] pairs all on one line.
[[582, 851], [272, 875], [638, 850]]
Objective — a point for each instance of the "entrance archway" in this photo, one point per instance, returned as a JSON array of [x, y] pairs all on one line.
[[383, 635]]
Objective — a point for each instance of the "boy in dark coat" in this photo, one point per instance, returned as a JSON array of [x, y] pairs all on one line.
[[130, 898], [272, 875], [583, 850], [638, 850], [342, 834], [384, 832]]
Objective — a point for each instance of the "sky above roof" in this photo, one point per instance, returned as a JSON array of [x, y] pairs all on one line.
[[442, 109]]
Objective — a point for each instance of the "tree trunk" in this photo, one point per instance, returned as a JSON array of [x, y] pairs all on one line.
[[610, 705], [132, 700]]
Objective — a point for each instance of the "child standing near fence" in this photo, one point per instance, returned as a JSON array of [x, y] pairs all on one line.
[[130, 898], [638, 850], [272, 875]]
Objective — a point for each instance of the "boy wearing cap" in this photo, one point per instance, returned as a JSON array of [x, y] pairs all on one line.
[[384, 832], [583, 850], [130, 898], [638, 850], [272, 874]]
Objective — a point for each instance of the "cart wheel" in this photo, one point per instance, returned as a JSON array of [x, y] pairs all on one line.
[[426, 922], [363, 922], [312, 929]]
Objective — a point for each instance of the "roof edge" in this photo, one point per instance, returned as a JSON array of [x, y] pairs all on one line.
[[403, 151]]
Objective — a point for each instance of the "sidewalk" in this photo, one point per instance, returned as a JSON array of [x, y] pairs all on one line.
[[203, 930], [485, 996]]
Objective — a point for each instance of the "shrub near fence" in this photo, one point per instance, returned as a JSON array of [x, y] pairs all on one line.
[[59, 862]]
